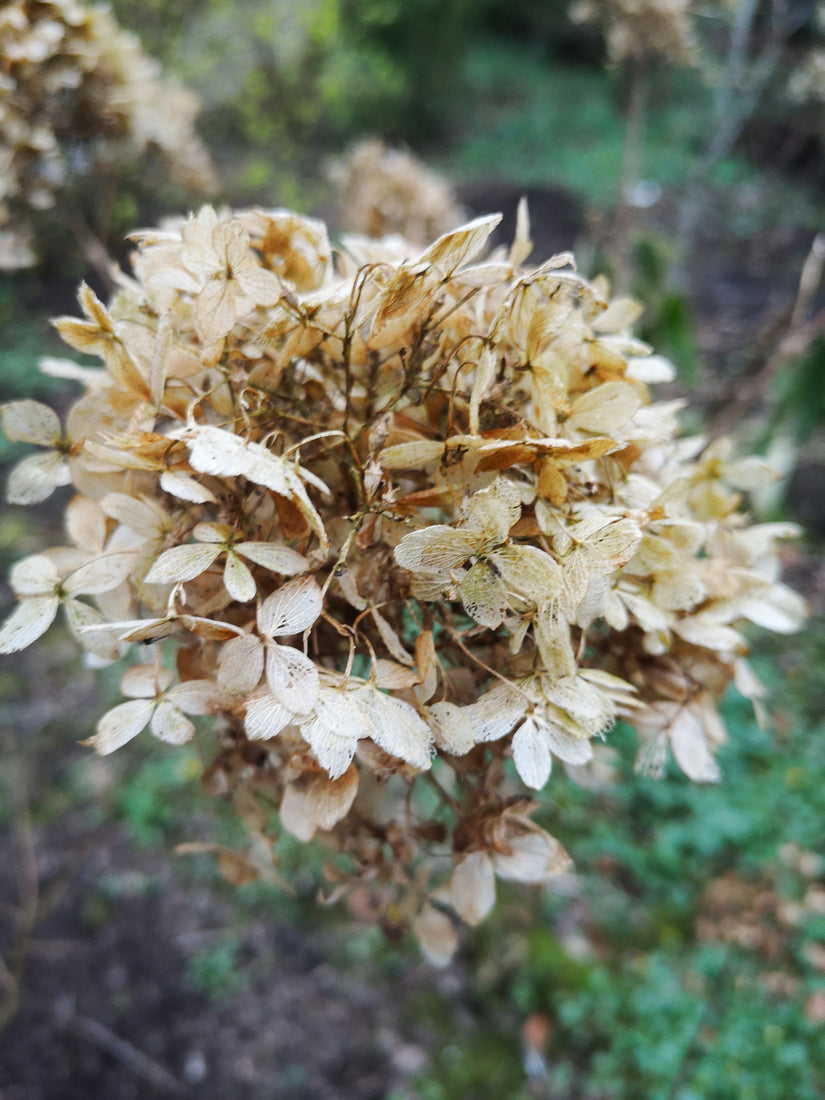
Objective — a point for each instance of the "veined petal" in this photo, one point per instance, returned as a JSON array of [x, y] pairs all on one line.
[[292, 678], [452, 728], [30, 422], [212, 532], [145, 681], [170, 725], [36, 477], [492, 513], [531, 753], [565, 745], [86, 523], [197, 696], [483, 595], [436, 549], [259, 285], [458, 246], [185, 487], [240, 664], [397, 727], [182, 563], [333, 733], [333, 752], [121, 724], [27, 622], [217, 308], [496, 712], [215, 451], [411, 456], [35, 575], [586, 704], [605, 408], [265, 717], [144, 517], [529, 571], [237, 580], [80, 616], [292, 609], [274, 556], [102, 574]]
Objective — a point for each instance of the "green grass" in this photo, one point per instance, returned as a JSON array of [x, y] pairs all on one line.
[[639, 1003]]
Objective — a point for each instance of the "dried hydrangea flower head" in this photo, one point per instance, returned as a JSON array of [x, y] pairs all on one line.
[[654, 30], [387, 191], [78, 91], [410, 529]]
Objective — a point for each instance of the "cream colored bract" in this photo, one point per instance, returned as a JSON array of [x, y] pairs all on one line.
[[401, 526]]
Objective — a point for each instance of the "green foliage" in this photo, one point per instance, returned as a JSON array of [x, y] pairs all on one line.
[[667, 322], [639, 1001], [801, 405], [215, 970], [289, 83], [27, 336], [553, 122], [149, 795]]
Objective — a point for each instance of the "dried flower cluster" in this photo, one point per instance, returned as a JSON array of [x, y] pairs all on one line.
[[407, 524], [75, 88], [654, 30], [387, 191]]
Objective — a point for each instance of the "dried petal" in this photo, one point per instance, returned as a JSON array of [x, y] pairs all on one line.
[[28, 622], [496, 712], [182, 563], [396, 727], [35, 478], [121, 724], [265, 717], [531, 754], [690, 747], [241, 665], [237, 580], [483, 595], [274, 556], [532, 857], [473, 887], [437, 935], [292, 678], [168, 724], [30, 422], [291, 610], [35, 575], [452, 728]]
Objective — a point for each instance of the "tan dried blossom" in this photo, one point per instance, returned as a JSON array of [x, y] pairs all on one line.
[[413, 528], [653, 30], [385, 191], [76, 92]]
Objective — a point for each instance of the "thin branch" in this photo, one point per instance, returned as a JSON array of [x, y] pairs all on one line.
[[792, 346], [121, 1050], [12, 969]]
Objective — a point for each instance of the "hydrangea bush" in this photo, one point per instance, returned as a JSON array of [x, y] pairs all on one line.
[[642, 29], [385, 190], [407, 525], [77, 96]]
